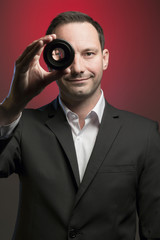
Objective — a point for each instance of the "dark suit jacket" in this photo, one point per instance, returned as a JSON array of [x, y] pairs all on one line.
[[123, 174]]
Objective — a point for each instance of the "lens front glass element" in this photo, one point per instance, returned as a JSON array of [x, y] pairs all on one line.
[[58, 54]]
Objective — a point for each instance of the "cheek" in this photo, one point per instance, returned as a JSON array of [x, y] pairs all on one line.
[[95, 65], [96, 69]]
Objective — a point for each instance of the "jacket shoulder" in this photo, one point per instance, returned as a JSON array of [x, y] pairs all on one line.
[[42, 113], [130, 118]]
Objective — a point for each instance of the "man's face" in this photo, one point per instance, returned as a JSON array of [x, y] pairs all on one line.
[[84, 75]]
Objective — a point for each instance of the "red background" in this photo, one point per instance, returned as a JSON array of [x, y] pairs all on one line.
[[131, 28], [132, 81]]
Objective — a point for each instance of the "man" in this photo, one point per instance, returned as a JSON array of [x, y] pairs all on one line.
[[85, 167]]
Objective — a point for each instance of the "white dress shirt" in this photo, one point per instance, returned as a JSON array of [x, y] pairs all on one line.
[[84, 139]]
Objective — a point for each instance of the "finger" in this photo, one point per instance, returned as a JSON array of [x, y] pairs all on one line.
[[26, 61], [49, 77], [34, 52], [46, 39]]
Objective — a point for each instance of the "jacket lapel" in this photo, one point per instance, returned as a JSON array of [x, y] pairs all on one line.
[[108, 131], [60, 127]]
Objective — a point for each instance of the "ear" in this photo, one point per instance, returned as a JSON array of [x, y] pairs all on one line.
[[105, 58]]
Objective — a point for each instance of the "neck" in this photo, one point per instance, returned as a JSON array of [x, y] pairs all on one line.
[[82, 107]]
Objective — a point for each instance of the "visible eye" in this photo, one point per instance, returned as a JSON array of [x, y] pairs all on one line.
[[89, 54]]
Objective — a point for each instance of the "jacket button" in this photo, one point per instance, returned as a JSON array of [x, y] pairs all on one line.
[[72, 233]]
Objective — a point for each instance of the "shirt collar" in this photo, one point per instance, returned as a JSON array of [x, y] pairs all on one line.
[[98, 109]]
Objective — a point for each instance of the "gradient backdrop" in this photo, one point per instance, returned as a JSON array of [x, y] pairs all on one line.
[[132, 81]]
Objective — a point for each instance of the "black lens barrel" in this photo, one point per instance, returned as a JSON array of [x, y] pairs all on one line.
[[64, 62]]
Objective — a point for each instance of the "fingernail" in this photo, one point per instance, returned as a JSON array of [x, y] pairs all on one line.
[[53, 35]]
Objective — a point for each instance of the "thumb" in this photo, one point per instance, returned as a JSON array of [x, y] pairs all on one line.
[[50, 77], [54, 75]]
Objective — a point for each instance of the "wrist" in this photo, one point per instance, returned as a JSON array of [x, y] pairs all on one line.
[[9, 112]]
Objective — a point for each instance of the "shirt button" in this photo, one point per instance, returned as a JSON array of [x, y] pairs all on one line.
[[73, 233]]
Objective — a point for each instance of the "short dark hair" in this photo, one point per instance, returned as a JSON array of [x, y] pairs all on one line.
[[72, 17]]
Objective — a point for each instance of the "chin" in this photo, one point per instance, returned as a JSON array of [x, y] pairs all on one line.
[[81, 95]]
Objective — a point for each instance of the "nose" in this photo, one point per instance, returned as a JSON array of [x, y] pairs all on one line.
[[77, 65]]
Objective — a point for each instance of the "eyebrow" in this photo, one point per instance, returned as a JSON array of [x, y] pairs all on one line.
[[91, 49]]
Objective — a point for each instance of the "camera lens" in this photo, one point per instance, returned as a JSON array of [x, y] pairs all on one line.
[[58, 54]]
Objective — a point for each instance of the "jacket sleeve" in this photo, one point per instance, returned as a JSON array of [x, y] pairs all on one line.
[[7, 130], [148, 197], [10, 154]]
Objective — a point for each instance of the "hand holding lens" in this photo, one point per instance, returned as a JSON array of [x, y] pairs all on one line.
[[58, 54]]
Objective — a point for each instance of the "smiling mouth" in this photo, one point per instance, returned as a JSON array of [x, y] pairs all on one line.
[[77, 79]]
